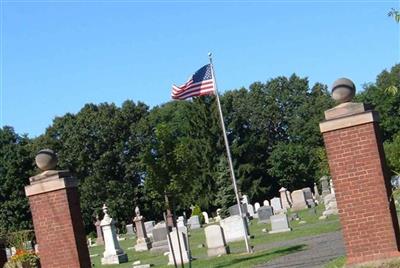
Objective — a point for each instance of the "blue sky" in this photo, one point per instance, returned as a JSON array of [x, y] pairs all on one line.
[[59, 55]]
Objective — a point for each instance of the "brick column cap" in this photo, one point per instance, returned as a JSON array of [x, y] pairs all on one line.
[[349, 121], [50, 180]]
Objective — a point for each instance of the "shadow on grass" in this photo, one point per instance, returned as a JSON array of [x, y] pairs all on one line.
[[265, 254]]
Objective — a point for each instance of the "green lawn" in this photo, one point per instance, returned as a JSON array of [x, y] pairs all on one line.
[[238, 258]]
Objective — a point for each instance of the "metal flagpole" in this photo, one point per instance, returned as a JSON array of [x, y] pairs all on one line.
[[228, 152]]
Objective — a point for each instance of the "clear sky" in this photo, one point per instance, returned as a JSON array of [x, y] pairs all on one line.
[[58, 55]]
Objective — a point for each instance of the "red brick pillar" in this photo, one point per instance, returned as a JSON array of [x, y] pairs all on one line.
[[54, 201], [3, 255], [362, 185]]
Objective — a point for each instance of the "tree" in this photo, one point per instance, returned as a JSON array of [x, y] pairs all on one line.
[[101, 146], [16, 166], [388, 105]]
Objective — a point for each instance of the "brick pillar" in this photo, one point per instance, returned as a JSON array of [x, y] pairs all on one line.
[[3, 255], [362, 185], [54, 201]]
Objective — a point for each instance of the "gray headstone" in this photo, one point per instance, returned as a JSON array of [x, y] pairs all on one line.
[[194, 222], [324, 180], [215, 240], [129, 229], [279, 224], [264, 214], [233, 228], [160, 235], [234, 210], [307, 193], [256, 206], [149, 225]]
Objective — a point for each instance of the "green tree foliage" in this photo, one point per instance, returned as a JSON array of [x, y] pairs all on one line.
[[101, 146], [16, 166], [130, 155], [388, 105]]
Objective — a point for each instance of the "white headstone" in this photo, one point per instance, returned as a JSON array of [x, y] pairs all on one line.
[[276, 204], [266, 203], [113, 253], [299, 201], [245, 199], [178, 248], [180, 221], [256, 206], [233, 228], [250, 210], [279, 224], [206, 219], [215, 241]]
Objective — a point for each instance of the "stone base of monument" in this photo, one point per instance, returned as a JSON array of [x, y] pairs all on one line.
[[298, 207], [160, 246], [218, 251], [280, 231], [114, 259], [143, 244]]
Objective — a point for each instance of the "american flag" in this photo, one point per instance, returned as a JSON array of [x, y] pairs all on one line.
[[201, 83]]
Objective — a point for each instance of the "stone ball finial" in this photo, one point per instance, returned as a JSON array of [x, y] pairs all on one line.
[[343, 90], [46, 159]]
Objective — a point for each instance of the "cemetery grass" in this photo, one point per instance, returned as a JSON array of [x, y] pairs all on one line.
[[238, 257]]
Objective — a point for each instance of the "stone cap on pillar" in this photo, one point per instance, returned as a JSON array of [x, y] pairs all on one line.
[[50, 179], [346, 113]]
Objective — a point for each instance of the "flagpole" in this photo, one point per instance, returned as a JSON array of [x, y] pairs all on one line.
[[228, 152]]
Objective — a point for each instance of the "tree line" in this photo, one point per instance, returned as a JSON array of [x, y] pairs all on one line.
[[133, 155]]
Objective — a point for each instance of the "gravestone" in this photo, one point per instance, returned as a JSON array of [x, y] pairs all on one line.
[[299, 201], [99, 233], [234, 210], [266, 203], [206, 218], [179, 249], [233, 228], [264, 214], [143, 242], [279, 224], [182, 229], [245, 199], [129, 229], [160, 238], [194, 222], [250, 210], [284, 198], [215, 241], [325, 186], [276, 205], [307, 193], [181, 221], [317, 196], [113, 253], [256, 206], [149, 225], [218, 217]]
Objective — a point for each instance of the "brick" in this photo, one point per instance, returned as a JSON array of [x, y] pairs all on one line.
[[358, 170], [59, 229]]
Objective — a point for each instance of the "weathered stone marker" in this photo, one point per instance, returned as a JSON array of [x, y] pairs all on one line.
[[357, 164], [143, 242], [56, 213], [215, 240], [113, 253]]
